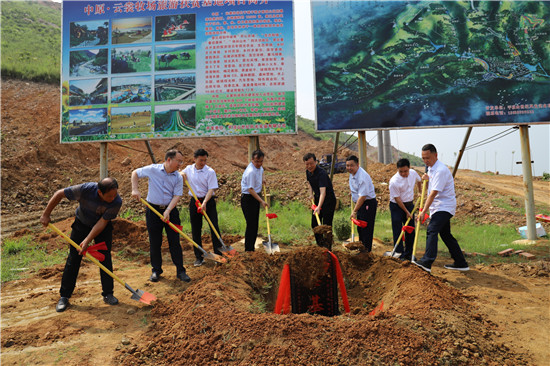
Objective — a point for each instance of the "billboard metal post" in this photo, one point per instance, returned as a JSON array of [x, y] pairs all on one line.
[[380, 147], [528, 182], [103, 161], [361, 136], [253, 145], [150, 151], [466, 137], [387, 147], [335, 151]]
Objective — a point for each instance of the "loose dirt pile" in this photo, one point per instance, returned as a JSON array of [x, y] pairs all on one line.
[[221, 319]]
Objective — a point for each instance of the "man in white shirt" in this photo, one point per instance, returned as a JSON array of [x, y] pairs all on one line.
[[401, 204], [441, 203], [251, 190], [204, 182], [364, 198], [165, 190]]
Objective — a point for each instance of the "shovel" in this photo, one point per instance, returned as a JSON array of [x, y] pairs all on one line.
[[352, 227], [314, 207], [206, 255], [138, 295], [406, 228], [360, 223], [424, 183], [269, 247], [228, 252]]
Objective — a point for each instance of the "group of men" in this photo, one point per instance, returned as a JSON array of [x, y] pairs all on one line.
[[99, 203]]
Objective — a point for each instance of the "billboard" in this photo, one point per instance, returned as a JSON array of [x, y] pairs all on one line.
[[176, 68], [407, 64]]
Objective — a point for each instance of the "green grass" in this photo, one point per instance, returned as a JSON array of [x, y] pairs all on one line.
[[21, 256], [132, 215], [31, 41]]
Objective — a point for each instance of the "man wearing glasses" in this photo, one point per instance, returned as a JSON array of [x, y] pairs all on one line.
[[165, 190]]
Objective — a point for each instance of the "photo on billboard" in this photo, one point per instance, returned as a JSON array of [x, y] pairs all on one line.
[[88, 92], [175, 87], [179, 56], [130, 60], [407, 64], [175, 117], [91, 62], [135, 89], [89, 122], [132, 30], [89, 33], [131, 119], [175, 27]]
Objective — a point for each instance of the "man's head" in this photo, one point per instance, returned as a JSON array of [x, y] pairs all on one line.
[[352, 164], [429, 154], [172, 160], [200, 156], [107, 189], [311, 162], [258, 158], [403, 167]]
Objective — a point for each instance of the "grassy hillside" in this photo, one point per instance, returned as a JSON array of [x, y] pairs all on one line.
[[31, 40]]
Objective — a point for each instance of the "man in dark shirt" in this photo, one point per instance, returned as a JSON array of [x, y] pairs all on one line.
[[322, 193], [99, 204]]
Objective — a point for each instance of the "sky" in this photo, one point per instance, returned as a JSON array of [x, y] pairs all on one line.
[[448, 141]]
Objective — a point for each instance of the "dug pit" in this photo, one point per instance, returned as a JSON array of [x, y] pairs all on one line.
[[227, 317]]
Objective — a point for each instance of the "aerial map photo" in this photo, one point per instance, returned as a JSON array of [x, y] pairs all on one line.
[[385, 64]]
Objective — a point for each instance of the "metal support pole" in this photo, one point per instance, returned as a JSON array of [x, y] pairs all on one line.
[[362, 140], [253, 145], [387, 147], [334, 152], [466, 137], [103, 161], [150, 151], [528, 182], [380, 147]]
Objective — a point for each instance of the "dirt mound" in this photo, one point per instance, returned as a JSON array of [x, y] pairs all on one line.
[[227, 318]]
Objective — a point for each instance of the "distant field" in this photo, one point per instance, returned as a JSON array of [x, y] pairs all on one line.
[[130, 124]]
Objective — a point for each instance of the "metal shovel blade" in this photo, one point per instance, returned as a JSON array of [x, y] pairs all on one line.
[[267, 247], [142, 296], [214, 257], [271, 247]]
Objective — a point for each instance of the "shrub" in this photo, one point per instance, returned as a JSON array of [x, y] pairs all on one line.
[[341, 227]]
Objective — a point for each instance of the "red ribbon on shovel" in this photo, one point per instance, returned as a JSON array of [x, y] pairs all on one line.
[[425, 216], [314, 207], [199, 207], [93, 250], [408, 229], [271, 215], [359, 223]]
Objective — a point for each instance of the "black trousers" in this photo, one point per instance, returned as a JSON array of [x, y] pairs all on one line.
[[398, 219], [154, 227], [440, 223], [196, 225], [325, 216], [251, 211], [72, 265], [367, 212]]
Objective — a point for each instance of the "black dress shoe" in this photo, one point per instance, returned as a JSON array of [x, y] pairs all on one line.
[[154, 277], [110, 299], [62, 304], [184, 277]]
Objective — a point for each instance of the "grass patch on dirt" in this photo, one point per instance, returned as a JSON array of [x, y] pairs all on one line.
[[21, 256]]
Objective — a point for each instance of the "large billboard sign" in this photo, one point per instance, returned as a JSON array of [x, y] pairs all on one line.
[[407, 64], [177, 68]]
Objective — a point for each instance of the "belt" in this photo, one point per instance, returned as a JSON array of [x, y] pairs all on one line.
[[162, 207]]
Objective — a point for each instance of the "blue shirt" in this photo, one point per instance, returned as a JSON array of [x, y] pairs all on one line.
[[92, 208], [163, 186], [360, 185], [252, 178]]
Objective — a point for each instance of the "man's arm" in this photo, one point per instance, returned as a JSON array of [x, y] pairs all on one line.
[[135, 189], [170, 207], [52, 203], [358, 205], [257, 197], [402, 206], [323, 191], [209, 195], [96, 230]]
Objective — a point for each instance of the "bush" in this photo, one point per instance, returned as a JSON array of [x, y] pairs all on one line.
[[546, 176], [341, 227]]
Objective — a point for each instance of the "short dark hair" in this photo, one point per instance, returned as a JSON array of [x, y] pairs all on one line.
[[403, 162], [171, 154], [429, 147], [107, 184], [354, 158], [258, 154], [310, 156], [200, 152]]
